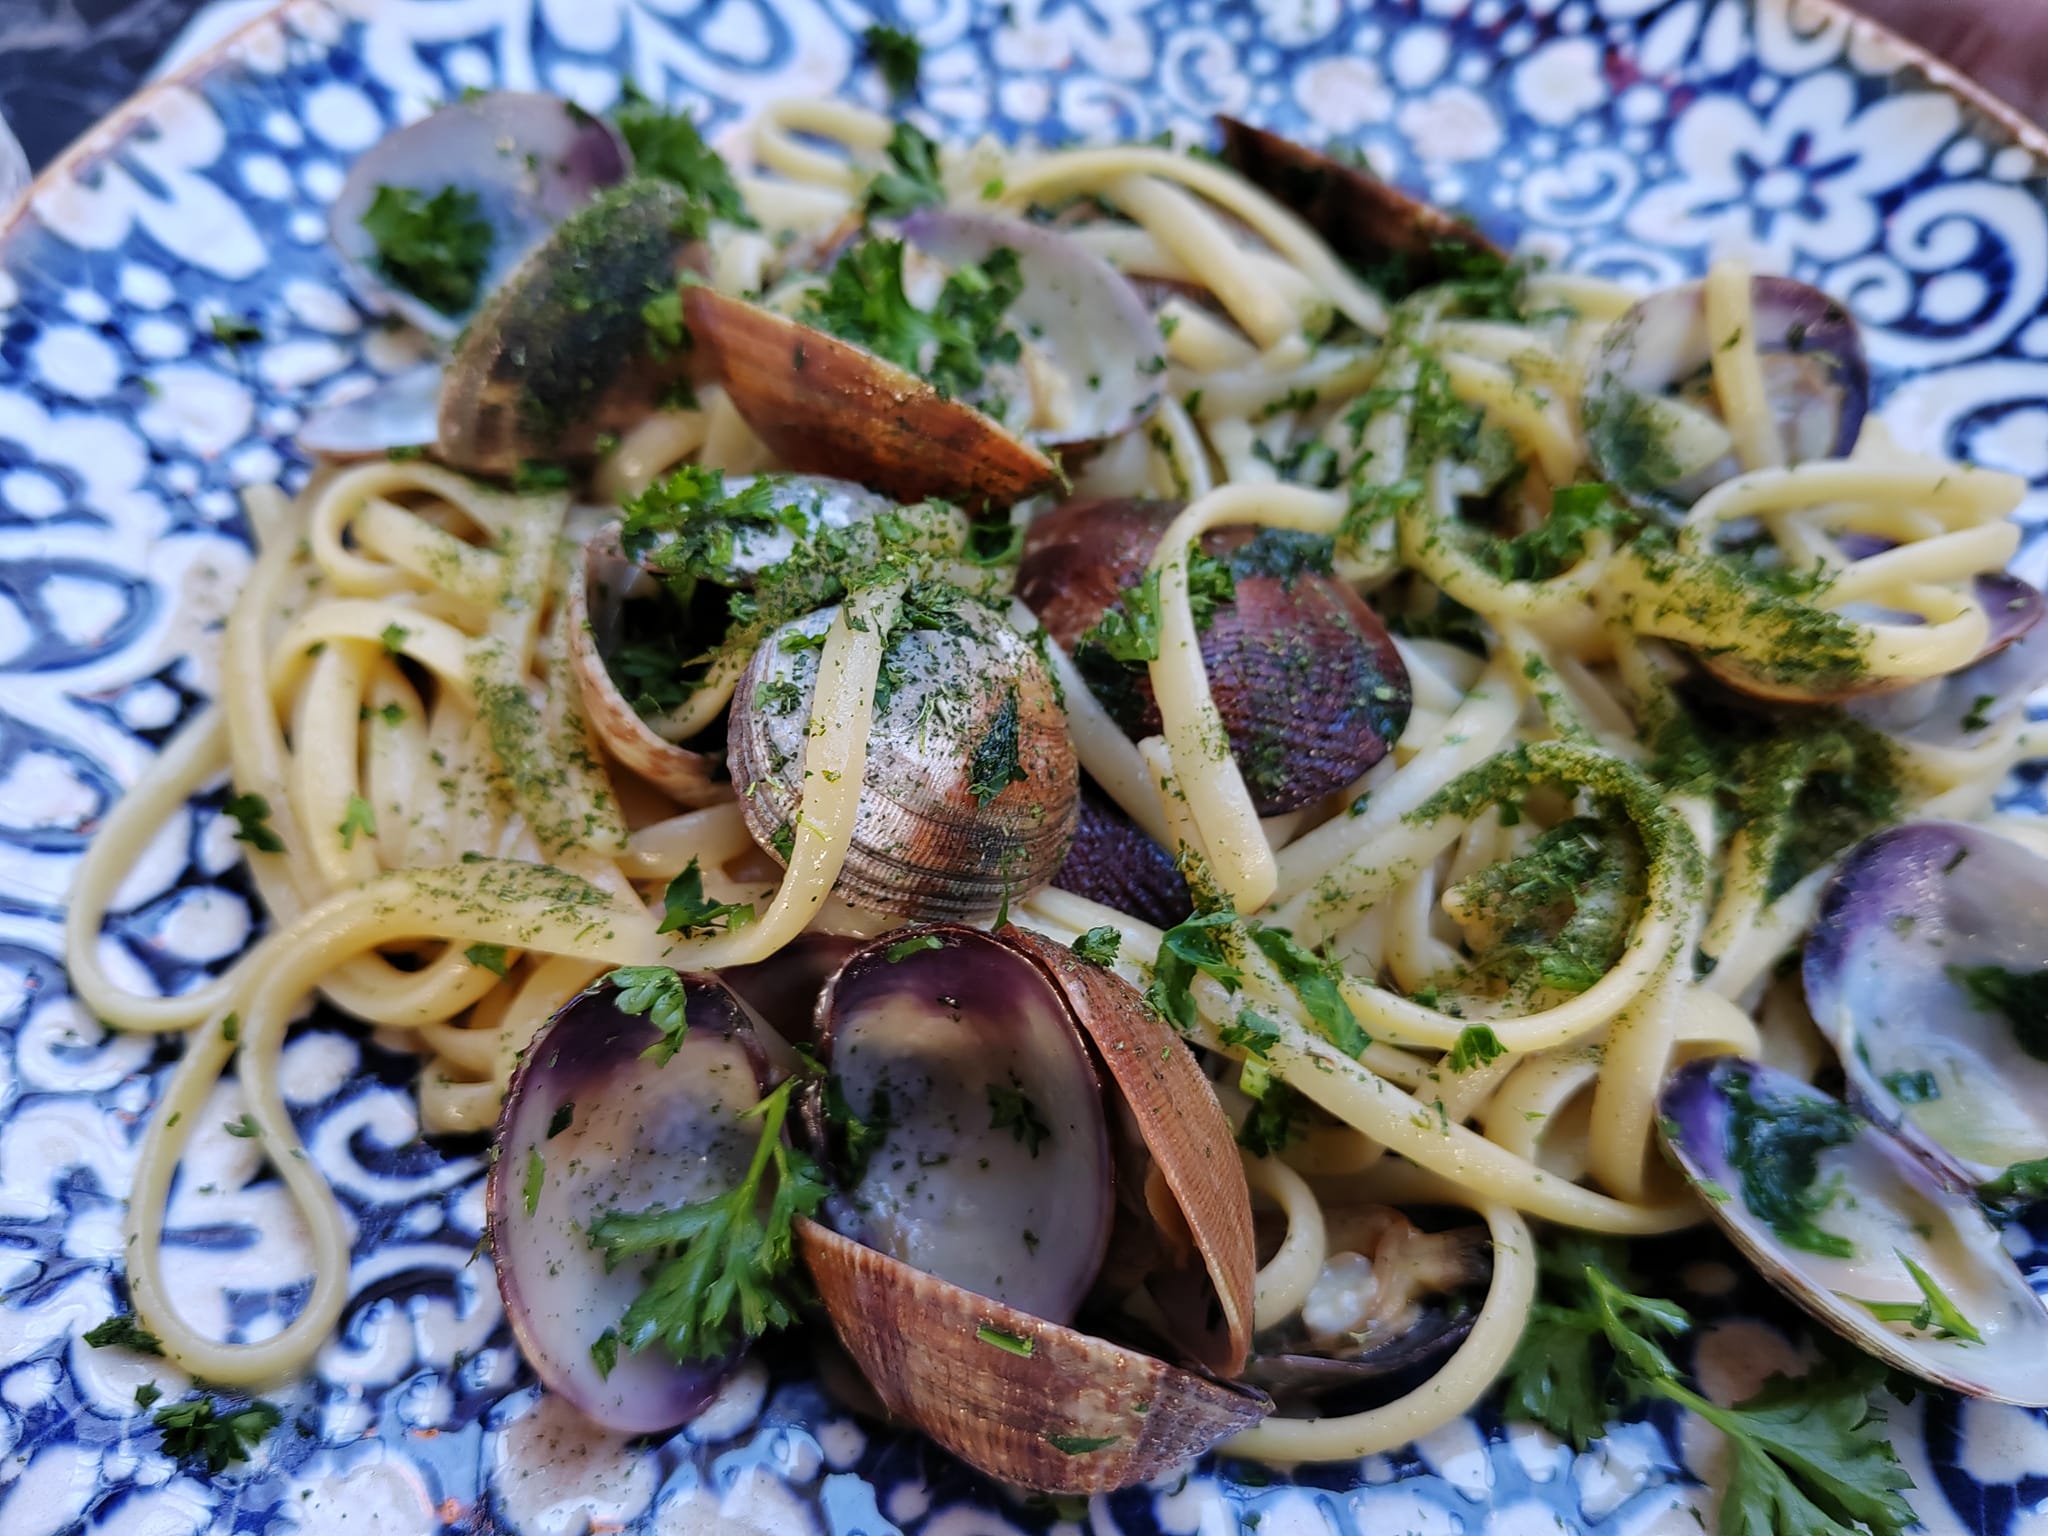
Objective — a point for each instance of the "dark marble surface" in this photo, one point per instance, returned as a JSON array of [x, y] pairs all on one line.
[[64, 64]]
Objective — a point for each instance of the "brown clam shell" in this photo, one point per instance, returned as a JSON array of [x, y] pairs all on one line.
[[561, 354], [1309, 684], [924, 846], [1019, 1398], [1183, 1126], [1365, 220], [602, 573], [825, 406]]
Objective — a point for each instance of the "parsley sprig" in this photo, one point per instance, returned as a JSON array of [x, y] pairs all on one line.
[[436, 248], [727, 1272], [669, 146], [663, 996], [911, 180], [949, 345], [688, 911], [1810, 1456], [197, 1431]]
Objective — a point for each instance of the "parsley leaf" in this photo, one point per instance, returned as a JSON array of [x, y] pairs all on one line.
[[686, 909], [1475, 1047], [1011, 1109], [949, 345], [251, 816], [490, 956], [197, 1431], [122, 1331], [1315, 984], [1099, 945], [358, 818], [1278, 1118], [1184, 951], [897, 54], [435, 248], [1933, 1314], [1775, 1144], [246, 1128], [663, 996], [727, 1272], [994, 766], [234, 331], [1556, 544], [668, 146], [912, 179], [2022, 996], [1129, 628]]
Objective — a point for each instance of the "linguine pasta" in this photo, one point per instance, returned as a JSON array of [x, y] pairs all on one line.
[[445, 849]]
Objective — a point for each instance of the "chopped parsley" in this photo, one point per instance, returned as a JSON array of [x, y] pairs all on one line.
[[949, 345], [1933, 1314], [490, 957], [668, 146], [993, 766], [1775, 1145], [897, 54], [234, 331], [911, 180], [198, 1432], [245, 1128], [687, 911], [122, 1331], [1011, 1109], [1081, 1445], [436, 248], [1912, 1087], [251, 816], [535, 1181], [1476, 1046], [727, 1268], [1099, 945], [1315, 982], [1278, 1119], [2022, 996], [917, 943], [357, 819], [1008, 1343]]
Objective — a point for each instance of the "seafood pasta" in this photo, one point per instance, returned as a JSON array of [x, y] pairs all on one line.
[[1143, 786]]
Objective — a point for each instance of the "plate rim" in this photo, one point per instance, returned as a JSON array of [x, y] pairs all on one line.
[[108, 131]]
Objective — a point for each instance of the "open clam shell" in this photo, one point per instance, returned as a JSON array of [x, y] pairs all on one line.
[[600, 584], [971, 788], [398, 412], [985, 1160], [1081, 318], [1918, 971], [1401, 240], [529, 159], [1022, 1399], [1838, 1216], [1651, 424], [562, 351], [1309, 684], [1948, 711], [591, 1123], [826, 406]]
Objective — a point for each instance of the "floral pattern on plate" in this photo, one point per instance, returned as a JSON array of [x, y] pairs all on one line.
[[1631, 138]]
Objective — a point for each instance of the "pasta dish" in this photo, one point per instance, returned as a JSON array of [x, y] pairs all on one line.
[[1149, 788]]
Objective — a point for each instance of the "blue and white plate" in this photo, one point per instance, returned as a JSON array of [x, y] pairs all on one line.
[[1632, 138]]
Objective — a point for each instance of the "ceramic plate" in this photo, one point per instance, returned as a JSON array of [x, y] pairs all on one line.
[[1630, 138]]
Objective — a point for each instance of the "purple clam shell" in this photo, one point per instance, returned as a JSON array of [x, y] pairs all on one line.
[[1078, 309], [1814, 369], [592, 1124], [530, 159], [1908, 908], [954, 1049], [399, 412], [1114, 862], [1948, 711], [1885, 1202]]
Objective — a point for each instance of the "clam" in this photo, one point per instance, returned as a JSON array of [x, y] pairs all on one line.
[[529, 160], [1310, 687], [1927, 970], [1948, 711], [1091, 354], [1391, 1302], [971, 789], [591, 1123], [954, 1301], [1114, 862], [1856, 1228], [564, 350], [1072, 359], [1400, 241], [1652, 425], [399, 412], [615, 599]]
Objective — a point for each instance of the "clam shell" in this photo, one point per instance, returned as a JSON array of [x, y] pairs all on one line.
[[561, 353], [1114, 862], [1947, 711], [926, 1032], [828, 407], [606, 1127], [530, 159], [1907, 907], [1309, 684], [1078, 311], [398, 412], [1185, 1130], [1814, 369], [924, 847], [598, 586], [1891, 1203], [1075, 1414], [1368, 222]]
